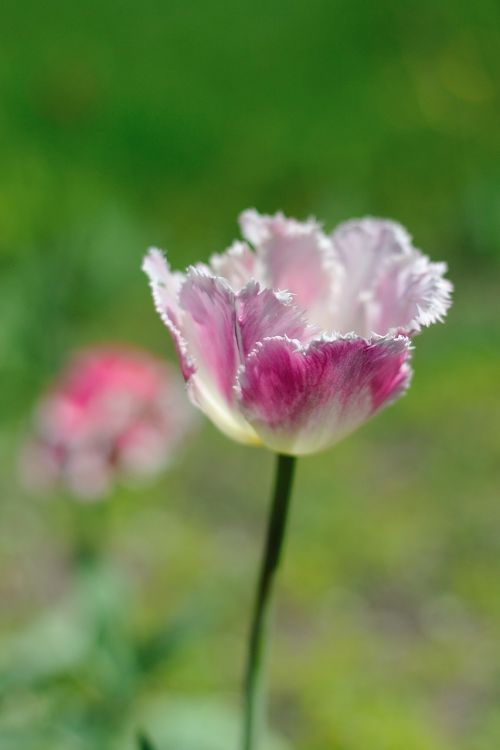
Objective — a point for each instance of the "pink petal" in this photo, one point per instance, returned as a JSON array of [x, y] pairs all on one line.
[[210, 329], [222, 328], [300, 400], [112, 408], [209, 312], [165, 287], [388, 284], [297, 257], [263, 313]]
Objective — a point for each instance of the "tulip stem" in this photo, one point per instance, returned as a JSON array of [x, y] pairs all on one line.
[[254, 687]]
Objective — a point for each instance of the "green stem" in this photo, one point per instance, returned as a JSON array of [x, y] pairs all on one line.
[[254, 688]]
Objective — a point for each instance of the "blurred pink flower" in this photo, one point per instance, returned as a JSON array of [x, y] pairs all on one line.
[[299, 341], [113, 411]]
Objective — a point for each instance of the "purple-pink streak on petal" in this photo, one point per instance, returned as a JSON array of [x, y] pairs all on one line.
[[290, 391], [222, 328]]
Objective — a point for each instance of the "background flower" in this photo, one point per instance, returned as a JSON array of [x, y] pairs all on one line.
[[296, 343], [112, 412]]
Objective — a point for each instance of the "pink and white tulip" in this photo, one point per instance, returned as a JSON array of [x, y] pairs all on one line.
[[293, 338], [113, 412]]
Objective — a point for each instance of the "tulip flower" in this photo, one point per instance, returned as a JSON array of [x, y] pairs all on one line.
[[112, 412], [299, 341], [292, 339]]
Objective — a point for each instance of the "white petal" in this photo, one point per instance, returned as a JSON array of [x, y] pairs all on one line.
[[297, 257], [388, 284]]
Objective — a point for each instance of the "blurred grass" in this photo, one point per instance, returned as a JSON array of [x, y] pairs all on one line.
[[123, 125]]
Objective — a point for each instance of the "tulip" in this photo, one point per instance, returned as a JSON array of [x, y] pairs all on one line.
[[113, 413], [298, 342], [292, 339]]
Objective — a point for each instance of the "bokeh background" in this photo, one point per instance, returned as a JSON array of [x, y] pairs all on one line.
[[125, 124]]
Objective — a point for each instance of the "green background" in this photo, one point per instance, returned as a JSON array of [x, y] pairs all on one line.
[[129, 124]]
